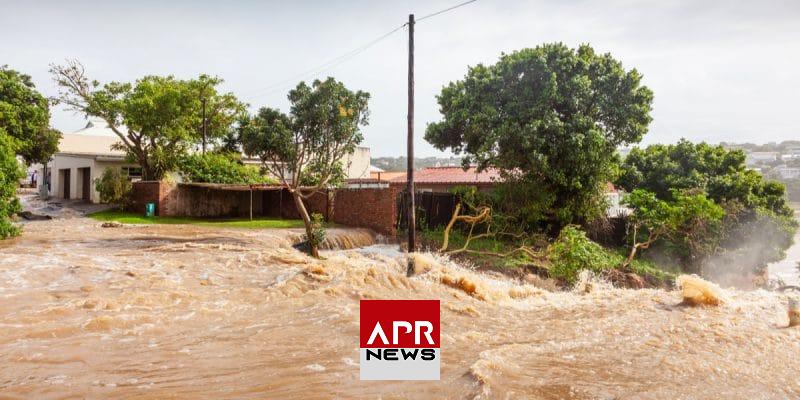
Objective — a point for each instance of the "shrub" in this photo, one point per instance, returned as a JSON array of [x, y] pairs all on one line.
[[573, 251], [114, 188], [10, 173], [219, 168], [318, 232]]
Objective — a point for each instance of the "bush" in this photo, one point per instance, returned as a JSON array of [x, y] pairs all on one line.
[[10, 173], [318, 232], [114, 188], [219, 168], [573, 251]]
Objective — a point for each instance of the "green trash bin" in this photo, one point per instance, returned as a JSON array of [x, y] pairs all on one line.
[[150, 210]]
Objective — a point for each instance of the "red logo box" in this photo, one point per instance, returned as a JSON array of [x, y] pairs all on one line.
[[400, 340]]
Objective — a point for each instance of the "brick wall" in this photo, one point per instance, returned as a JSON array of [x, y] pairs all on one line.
[[365, 208], [369, 208], [150, 191]]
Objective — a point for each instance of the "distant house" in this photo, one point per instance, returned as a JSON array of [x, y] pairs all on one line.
[[356, 164], [787, 172], [442, 179], [82, 157], [760, 157]]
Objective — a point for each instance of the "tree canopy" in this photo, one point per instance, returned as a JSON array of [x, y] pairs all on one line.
[[551, 117], [307, 146], [10, 173], [157, 119], [25, 117], [219, 168], [757, 218]]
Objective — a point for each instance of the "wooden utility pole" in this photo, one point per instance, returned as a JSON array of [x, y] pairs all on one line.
[[412, 220], [203, 101]]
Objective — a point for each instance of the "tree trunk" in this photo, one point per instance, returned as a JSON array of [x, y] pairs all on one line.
[[301, 209], [631, 255]]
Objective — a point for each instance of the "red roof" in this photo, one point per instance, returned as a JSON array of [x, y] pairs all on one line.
[[453, 175]]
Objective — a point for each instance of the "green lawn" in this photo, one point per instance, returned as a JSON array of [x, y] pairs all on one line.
[[127, 217]]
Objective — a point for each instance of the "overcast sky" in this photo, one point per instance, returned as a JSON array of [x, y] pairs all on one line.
[[720, 70]]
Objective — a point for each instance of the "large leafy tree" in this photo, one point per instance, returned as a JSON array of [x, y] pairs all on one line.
[[10, 173], [24, 131], [307, 146], [157, 119], [25, 117], [758, 226], [551, 117]]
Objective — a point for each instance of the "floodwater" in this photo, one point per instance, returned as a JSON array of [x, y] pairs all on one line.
[[788, 269], [198, 313]]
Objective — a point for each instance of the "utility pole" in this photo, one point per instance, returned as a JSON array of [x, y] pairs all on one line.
[[412, 220], [203, 101]]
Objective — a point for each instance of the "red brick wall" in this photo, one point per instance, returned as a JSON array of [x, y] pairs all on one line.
[[150, 191], [365, 208], [368, 208]]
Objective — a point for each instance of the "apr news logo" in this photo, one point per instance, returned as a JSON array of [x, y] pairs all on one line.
[[400, 340]]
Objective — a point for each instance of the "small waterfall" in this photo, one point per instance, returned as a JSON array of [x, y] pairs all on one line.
[[346, 239]]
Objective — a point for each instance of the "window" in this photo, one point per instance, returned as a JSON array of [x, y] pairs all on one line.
[[133, 172]]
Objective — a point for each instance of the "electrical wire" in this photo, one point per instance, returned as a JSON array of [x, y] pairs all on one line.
[[343, 58], [327, 65], [445, 10]]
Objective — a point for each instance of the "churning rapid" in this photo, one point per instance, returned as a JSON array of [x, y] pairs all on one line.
[[189, 312]]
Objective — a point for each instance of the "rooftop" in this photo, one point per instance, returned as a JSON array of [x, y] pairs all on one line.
[[452, 175], [94, 139]]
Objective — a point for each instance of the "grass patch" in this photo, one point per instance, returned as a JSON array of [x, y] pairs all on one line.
[[127, 217]]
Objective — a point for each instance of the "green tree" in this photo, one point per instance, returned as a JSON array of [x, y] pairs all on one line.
[[114, 188], [689, 223], [25, 115], [219, 168], [757, 218], [551, 118], [308, 145], [157, 119], [221, 112], [10, 173]]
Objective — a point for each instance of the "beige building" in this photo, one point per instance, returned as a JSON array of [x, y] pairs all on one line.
[[82, 158]]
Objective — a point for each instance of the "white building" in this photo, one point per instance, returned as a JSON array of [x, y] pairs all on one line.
[[787, 172], [82, 158], [759, 157], [358, 163]]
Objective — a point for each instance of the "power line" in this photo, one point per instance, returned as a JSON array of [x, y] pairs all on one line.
[[445, 10], [329, 64], [343, 58]]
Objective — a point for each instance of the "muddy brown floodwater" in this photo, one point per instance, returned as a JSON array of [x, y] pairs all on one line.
[[200, 313]]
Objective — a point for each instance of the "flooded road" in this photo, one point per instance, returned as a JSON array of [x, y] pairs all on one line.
[[176, 311]]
